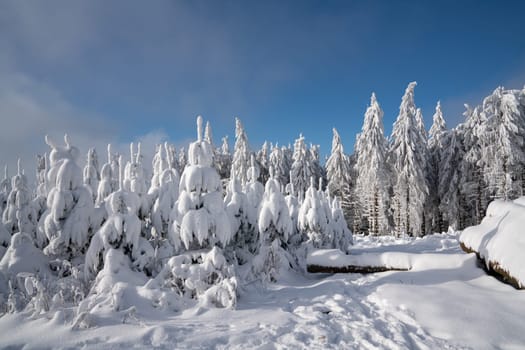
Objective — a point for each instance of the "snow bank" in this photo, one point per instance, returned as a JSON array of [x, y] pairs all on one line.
[[499, 240], [380, 261]]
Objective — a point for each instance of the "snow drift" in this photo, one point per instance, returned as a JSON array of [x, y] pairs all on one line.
[[500, 241]]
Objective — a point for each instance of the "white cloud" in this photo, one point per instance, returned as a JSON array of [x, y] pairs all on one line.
[[29, 110]]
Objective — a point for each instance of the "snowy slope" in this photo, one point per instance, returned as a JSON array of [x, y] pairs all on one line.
[[444, 301]]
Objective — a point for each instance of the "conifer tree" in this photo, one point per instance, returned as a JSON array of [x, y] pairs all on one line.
[[199, 219], [302, 169], [241, 154], [68, 224], [91, 172], [408, 156], [436, 150], [372, 182]]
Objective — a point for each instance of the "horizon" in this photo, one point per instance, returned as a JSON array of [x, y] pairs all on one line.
[[124, 72]]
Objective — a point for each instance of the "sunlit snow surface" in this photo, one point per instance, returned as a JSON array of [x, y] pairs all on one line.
[[444, 301]]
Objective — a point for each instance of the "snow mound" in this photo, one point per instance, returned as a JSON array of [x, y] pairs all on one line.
[[23, 256], [499, 239]]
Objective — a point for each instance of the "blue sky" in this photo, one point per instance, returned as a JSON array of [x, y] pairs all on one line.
[[121, 71]]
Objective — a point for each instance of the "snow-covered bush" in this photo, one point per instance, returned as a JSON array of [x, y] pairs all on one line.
[[199, 219], [67, 223], [202, 275]]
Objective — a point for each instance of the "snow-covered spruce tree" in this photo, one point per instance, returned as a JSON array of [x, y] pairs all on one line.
[[337, 167], [224, 160], [5, 189], [200, 222], [254, 194], [241, 154], [373, 177], [107, 184], [242, 217], [165, 194], [473, 187], [280, 163], [135, 181], [40, 201], [314, 218], [504, 158], [275, 227], [450, 177], [296, 237], [182, 160], [423, 152], [341, 234], [121, 231], [302, 169], [199, 219], [436, 152], [19, 214], [263, 158], [408, 157], [91, 173], [318, 172], [68, 222]]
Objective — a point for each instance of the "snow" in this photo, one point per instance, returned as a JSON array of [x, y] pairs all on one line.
[[499, 237], [444, 301]]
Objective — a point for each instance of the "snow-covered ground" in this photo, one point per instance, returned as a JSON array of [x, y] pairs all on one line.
[[444, 301]]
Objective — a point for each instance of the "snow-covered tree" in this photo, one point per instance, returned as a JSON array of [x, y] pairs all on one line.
[[135, 181], [373, 176], [108, 184], [275, 226], [281, 163], [408, 157], [5, 189], [91, 173], [263, 158], [337, 167], [342, 236], [182, 160], [199, 219], [450, 177], [224, 160], [473, 187], [166, 196], [242, 217], [254, 195], [68, 223], [504, 157], [314, 218], [302, 169], [241, 154], [297, 237], [121, 231], [435, 154], [19, 214], [318, 171]]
